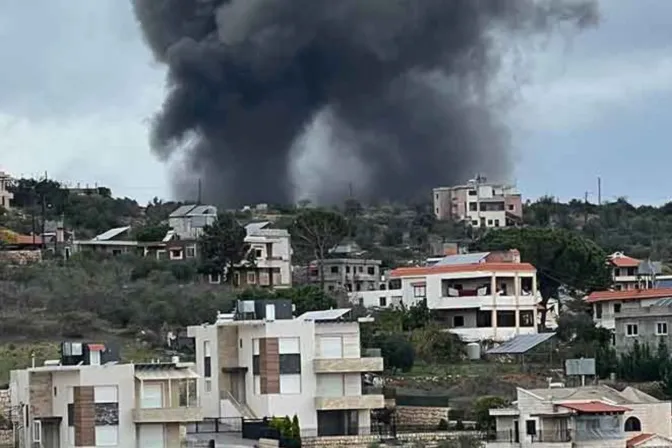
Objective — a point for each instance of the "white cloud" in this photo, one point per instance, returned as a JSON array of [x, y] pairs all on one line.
[[588, 93]]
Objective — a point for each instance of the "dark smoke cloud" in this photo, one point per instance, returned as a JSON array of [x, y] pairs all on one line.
[[405, 83]]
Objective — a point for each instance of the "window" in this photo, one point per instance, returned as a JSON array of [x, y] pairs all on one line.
[[330, 287], [496, 222], [474, 223], [598, 310], [473, 207], [371, 270], [506, 319], [661, 328], [458, 321], [360, 269], [527, 318], [214, 278], [484, 319], [290, 384], [472, 192], [107, 435], [347, 269], [631, 330], [382, 301], [334, 270], [530, 427], [236, 278], [251, 278], [395, 284], [240, 343], [289, 346], [55, 392], [208, 385], [258, 253], [617, 307], [632, 424], [207, 367], [105, 394], [206, 348], [116, 252], [489, 222], [264, 279], [512, 207], [37, 431], [190, 251], [420, 291], [176, 254]]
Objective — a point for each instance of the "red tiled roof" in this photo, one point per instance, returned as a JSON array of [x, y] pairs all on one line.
[[594, 407], [27, 240], [96, 347], [640, 438], [475, 267], [625, 262], [633, 294]]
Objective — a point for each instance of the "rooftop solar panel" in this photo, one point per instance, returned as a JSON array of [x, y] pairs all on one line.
[[520, 344]]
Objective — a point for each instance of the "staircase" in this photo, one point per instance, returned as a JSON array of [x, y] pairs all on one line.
[[242, 408]]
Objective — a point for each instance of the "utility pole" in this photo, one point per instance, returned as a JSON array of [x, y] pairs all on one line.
[[200, 192], [585, 208], [599, 190]]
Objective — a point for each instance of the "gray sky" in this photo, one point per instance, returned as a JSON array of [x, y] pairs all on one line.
[[80, 88]]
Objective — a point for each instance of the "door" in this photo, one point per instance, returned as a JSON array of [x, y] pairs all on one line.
[[270, 311], [516, 432], [152, 396], [151, 436], [331, 347]]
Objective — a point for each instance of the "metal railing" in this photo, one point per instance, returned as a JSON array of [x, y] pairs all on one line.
[[509, 436]]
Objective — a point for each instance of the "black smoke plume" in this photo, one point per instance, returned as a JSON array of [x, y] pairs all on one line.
[[404, 82]]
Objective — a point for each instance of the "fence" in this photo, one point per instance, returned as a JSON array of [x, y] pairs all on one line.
[[216, 425]]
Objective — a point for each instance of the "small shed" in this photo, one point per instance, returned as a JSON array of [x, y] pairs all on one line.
[[527, 348]]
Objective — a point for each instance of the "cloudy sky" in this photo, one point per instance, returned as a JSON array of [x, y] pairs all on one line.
[[78, 87]]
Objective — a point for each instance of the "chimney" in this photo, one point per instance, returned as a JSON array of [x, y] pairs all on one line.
[[515, 255]]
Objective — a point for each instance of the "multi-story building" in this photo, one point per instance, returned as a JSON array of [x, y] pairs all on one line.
[[648, 325], [88, 399], [479, 204], [6, 196], [608, 305], [272, 252], [631, 273], [347, 274], [479, 296], [262, 362], [188, 221], [583, 417]]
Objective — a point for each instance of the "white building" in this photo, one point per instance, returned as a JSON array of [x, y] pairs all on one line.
[[631, 273], [583, 417], [188, 221], [272, 251], [265, 363], [479, 296], [89, 404], [6, 196], [609, 304], [480, 204]]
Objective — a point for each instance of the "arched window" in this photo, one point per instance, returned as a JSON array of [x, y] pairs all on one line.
[[632, 424]]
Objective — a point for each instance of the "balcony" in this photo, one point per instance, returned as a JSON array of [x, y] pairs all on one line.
[[557, 437], [348, 365], [167, 415], [351, 402]]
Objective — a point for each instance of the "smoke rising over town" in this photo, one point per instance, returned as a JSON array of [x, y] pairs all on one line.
[[403, 86]]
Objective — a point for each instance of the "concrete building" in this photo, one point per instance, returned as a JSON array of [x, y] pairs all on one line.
[[92, 403], [648, 325], [347, 274], [584, 417], [6, 196], [478, 296], [607, 305], [272, 250], [262, 362], [631, 273], [480, 204], [188, 221]]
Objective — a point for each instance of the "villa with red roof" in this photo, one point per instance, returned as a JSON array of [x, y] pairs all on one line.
[[607, 305], [630, 273], [583, 417], [478, 296]]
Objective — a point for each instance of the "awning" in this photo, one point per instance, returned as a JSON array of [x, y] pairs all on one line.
[[165, 374], [96, 347]]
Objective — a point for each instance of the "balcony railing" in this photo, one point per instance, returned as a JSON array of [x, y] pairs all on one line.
[[345, 365], [552, 436], [167, 415], [349, 402]]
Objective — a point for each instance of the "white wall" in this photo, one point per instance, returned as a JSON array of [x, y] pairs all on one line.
[[209, 400]]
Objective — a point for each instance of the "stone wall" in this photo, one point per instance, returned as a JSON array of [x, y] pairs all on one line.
[[5, 416], [420, 415], [410, 440]]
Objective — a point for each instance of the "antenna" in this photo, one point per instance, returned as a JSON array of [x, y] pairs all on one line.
[[200, 192], [599, 190]]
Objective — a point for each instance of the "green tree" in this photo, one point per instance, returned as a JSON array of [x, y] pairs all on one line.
[[304, 298], [151, 233], [562, 258], [397, 352], [222, 245], [482, 406], [317, 231]]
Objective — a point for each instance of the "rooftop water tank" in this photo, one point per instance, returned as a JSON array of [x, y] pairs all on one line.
[[474, 351]]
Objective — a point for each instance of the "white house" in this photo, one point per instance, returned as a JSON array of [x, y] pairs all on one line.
[[479, 296], [272, 251], [262, 362], [609, 304], [94, 404], [188, 221], [583, 417]]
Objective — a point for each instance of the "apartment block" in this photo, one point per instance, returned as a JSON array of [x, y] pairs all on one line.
[[260, 361], [347, 274], [6, 196], [583, 417], [607, 306], [83, 401], [478, 296], [479, 204], [631, 273], [272, 250]]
